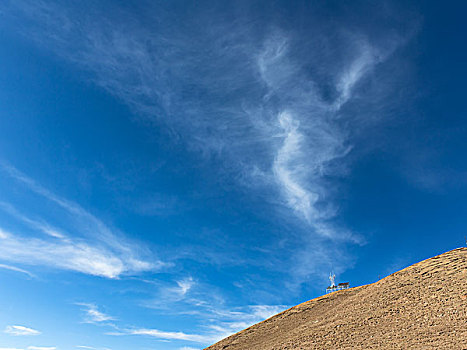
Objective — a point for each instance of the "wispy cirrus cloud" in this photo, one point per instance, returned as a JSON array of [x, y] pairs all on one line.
[[282, 111], [181, 296], [216, 322], [222, 324], [74, 256], [88, 224], [311, 141], [21, 330], [93, 248], [35, 224], [277, 112], [155, 333], [32, 347], [228, 322], [16, 269], [176, 293], [93, 315]]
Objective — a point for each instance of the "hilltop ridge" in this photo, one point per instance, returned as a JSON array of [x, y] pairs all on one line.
[[423, 306]]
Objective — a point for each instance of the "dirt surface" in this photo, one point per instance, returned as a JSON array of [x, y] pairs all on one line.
[[423, 306]]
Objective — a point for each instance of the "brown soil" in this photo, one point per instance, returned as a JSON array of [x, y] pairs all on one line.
[[423, 306]]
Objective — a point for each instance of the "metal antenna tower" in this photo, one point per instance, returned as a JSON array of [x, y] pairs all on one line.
[[332, 278], [333, 287]]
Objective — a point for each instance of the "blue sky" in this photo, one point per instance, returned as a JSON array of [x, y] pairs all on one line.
[[172, 172]]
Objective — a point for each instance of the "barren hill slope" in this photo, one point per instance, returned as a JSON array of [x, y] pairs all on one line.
[[423, 306]]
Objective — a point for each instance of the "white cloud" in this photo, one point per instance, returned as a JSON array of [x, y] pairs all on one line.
[[286, 169], [265, 311], [366, 59], [228, 322], [109, 255], [42, 348], [184, 286], [310, 140], [167, 294], [171, 335], [288, 131], [40, 226], [10, 349], [67, 255], [276, 113], [188, 348], [3, 234], [88, 223], [21, 330], [219, 323], [93, 315], [16, 269]]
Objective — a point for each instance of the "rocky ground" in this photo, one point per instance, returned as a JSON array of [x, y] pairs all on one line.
[[423, 306]]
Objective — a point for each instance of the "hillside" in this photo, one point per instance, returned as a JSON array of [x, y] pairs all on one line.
[[423, 306]]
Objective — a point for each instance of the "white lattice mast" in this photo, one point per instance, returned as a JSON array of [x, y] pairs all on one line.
[[332, 278]]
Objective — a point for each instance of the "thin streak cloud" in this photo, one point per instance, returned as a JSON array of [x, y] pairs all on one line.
[[171, 335], [93, 315], [21, 330], [74, 256], [16, 269], [89, 224], [96, 250]]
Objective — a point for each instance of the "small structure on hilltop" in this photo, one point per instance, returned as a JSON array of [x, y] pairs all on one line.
[[343, 285], [333, 287]]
